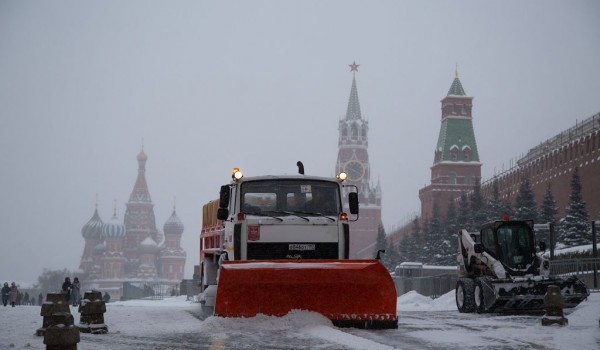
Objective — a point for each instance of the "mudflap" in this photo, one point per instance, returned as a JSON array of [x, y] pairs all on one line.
[[527, 296], [351, 293]]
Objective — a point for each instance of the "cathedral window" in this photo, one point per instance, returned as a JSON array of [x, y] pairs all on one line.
[[463, 110], [344, 132], [454, 108], [454, 153], [469, 180], [466, 153]]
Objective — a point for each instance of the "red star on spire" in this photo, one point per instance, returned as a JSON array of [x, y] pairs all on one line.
[[354, 67]]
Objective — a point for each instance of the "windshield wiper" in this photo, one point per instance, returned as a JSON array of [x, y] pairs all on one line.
[[289, 213], [264, 214], [318, 214]]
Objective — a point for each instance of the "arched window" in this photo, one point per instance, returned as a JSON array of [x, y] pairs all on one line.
[[354, 131], [454, 152], [463, 110], [344, 131], [466, 153]]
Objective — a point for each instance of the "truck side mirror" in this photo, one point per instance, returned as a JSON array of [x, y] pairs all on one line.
[[353, 202], [543, 246], [222, 213], [478, 247], [224, 197]]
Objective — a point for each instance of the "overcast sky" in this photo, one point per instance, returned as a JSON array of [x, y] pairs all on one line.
[[260, 85]]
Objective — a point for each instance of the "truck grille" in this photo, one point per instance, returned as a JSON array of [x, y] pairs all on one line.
[[273, 251]]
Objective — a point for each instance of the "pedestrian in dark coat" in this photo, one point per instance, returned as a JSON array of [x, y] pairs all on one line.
[[75, 294], [66, 289], [26, 299], [5, 293], [13, 294], [40, 298]]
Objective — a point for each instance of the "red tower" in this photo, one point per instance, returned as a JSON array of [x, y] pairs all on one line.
[[353, 159], [456, 167]]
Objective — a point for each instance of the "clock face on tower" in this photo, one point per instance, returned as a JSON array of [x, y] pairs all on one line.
[[355, 170]]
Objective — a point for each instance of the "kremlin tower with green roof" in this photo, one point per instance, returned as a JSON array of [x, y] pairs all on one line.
[[456, 165]]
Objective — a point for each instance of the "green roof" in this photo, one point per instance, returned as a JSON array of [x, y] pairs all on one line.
[[457, 132], [456, 88], [353, 112]]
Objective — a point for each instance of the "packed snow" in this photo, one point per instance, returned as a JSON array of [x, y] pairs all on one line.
[[424, 323]]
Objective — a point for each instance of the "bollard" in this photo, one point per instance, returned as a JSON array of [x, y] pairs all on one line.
[[92, 311], [55, 303], [62, 335], [554, 303]]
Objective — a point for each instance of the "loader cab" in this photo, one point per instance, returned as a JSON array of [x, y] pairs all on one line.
[[511, 242]]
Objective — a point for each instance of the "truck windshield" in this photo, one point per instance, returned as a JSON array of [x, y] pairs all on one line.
[[290, 196], [514, 246]]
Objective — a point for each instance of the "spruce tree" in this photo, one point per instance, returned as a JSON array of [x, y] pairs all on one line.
[[478, 208], [464, 216], [525, 206], [451, 233], [436, 240], [411, 243], [575, 229], [495, 206], [388, 259], [549, 209]]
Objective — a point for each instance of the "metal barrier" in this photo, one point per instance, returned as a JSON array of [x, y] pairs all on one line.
[[434, 286], [431, 286], [585, 269]]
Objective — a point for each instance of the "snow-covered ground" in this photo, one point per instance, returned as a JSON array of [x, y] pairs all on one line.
[[424, 323]]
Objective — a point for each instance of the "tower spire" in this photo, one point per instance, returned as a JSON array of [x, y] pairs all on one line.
[[353, 111]]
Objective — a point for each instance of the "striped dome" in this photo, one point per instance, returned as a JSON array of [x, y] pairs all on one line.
[[173, 226], [113, 228], [93, 228]]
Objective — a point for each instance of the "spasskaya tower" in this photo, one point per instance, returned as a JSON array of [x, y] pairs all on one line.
[[353, 159]]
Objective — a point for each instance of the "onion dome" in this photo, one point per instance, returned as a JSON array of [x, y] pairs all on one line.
[[173, 226], [113, 228], [148, 246], [142, 156], [93, 228]]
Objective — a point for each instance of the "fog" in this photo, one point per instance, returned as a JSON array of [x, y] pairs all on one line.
[[206, 86]]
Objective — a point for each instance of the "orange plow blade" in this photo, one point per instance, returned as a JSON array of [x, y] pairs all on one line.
[[352, 293]]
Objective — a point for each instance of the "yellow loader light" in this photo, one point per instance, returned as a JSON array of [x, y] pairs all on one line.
[[342, 176], [236, 174]]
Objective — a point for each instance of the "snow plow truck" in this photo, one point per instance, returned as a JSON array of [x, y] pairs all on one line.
[[500, 271], [273, 244]]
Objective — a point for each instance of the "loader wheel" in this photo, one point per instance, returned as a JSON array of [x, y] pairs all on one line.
[[479, 299], [465, 295]]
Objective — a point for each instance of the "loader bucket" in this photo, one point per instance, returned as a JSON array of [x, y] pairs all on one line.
[[351, 293]]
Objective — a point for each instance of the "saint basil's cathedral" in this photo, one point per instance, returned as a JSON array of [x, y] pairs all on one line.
[[132, 251]]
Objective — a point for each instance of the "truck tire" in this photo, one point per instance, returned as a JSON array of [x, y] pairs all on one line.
[[464, 293]]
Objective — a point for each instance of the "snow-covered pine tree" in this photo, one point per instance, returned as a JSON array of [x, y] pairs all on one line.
[[451, 231], [549, 209], [436, 237], [495, 206], [389, 258], [410, 245], [575, 229], [548, 213], [525, 206], [478, 207], [464, 213]]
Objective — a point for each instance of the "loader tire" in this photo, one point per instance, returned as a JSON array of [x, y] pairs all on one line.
[[478, 297], [465, 296]]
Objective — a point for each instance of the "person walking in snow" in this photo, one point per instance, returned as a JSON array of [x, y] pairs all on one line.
[[40, 299], [75, 291], [13, 294], [66, 289], [5, 293]]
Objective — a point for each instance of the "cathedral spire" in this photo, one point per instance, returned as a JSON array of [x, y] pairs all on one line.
[[140, 191], [456, 88]]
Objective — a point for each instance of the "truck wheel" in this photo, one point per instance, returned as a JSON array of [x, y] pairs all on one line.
[[464, 295]]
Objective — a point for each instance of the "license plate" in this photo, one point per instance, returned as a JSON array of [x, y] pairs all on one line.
[[301, 247]]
